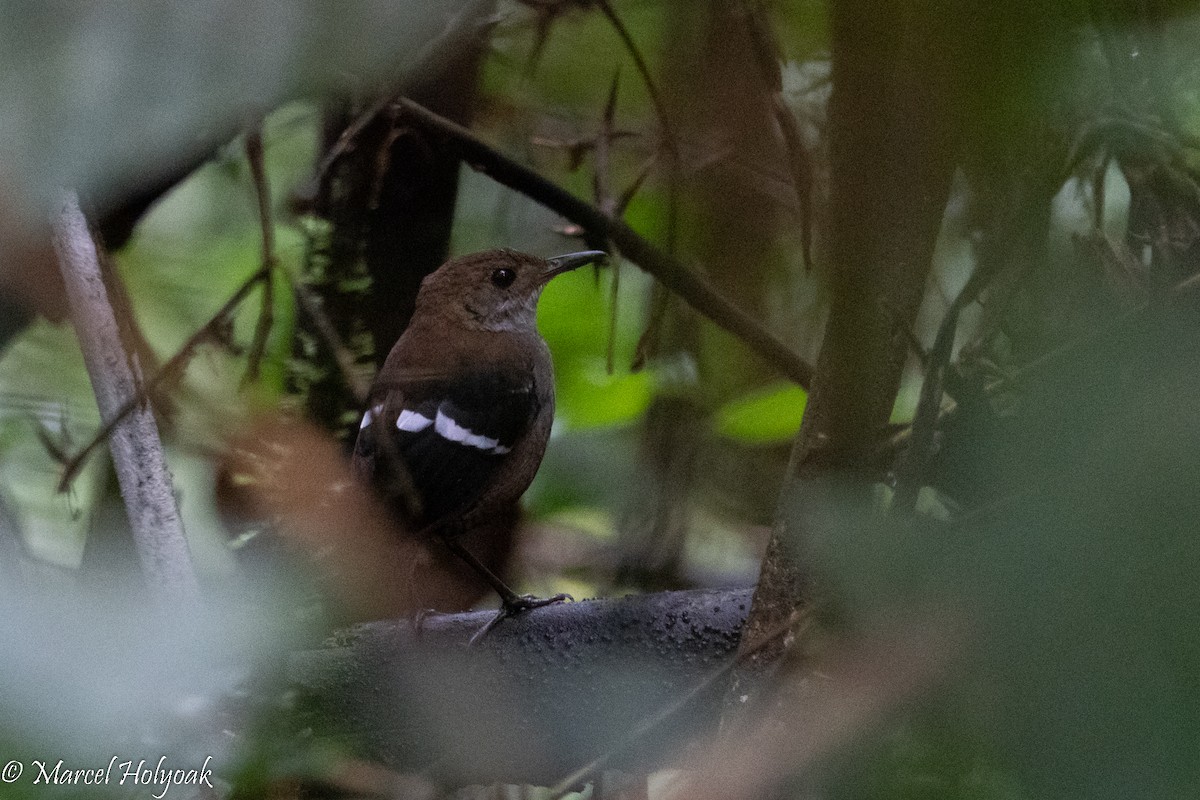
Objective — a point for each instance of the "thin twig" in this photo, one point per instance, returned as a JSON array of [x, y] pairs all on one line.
[[800, 167], [911, 475], [614, 293], [767, 53], [174, 367], [311, 305], [266, 314], [912, 472], [170, 371], [601, 182], [651, 89], [647, 343], [548, 11], [910, 337], [683, 281], [347, 136], [608, 204], [634, 186]]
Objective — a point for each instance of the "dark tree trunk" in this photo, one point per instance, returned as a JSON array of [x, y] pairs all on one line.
[[892, 154], [389, 199]]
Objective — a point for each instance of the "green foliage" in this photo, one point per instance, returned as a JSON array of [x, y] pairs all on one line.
[[1066, 594], [1071, 604], [765, 416], [572, 316], [57, 401], [190, 254]]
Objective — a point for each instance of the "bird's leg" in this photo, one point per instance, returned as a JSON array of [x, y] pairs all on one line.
[[419, 618], [511, 602], [507, 596]]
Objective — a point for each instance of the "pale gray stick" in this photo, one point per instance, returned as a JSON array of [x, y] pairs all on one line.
[[136, 448]]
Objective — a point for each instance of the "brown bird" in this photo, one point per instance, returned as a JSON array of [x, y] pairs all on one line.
[[461, 411]]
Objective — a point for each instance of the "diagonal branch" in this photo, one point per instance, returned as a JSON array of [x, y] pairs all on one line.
[[169, 372], [680, 279]]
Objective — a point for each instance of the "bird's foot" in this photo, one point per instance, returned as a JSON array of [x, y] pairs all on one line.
[[419, 618], [514, 605], [527, 602]]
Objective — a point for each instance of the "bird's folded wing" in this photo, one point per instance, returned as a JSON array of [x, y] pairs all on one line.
[[442, 438]]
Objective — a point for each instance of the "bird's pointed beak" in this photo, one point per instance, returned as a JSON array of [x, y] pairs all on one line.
[[560, 264]]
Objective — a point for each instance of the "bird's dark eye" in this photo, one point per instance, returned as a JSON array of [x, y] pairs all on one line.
[[503, 277]]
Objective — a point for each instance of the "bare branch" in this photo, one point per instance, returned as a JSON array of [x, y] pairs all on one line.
[[683, 281], [506, 702], [136, 448]]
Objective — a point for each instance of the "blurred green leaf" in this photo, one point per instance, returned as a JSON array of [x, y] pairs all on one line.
[[43, 385], [1072, 600], [99, 95], [590, 397], [764, 416], [802, 27], [573, 316]]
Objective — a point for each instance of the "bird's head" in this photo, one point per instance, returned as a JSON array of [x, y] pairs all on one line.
[[496, 290]]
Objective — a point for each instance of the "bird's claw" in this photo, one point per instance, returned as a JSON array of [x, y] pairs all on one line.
[[527, 602], [419, 618], [517, 604]]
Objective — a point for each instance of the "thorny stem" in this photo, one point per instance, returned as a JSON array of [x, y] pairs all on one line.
[[639, 62]]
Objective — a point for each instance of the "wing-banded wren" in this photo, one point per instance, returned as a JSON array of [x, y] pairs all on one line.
[[461, 411]]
